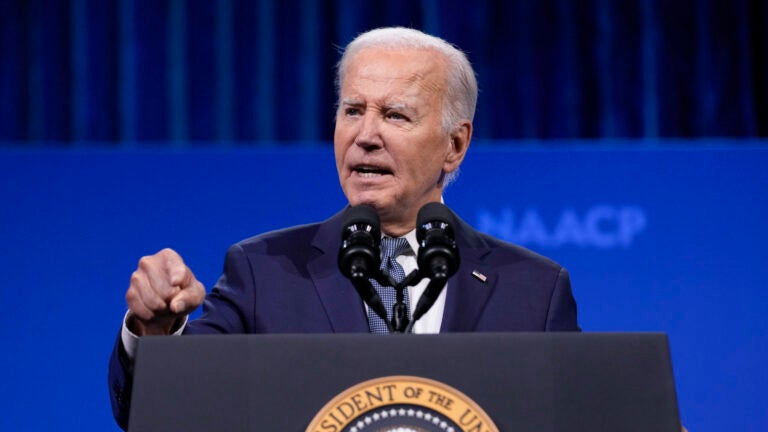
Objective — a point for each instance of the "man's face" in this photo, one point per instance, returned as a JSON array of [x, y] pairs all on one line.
[[391, 149]]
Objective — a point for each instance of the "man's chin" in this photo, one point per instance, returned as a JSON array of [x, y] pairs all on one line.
[[384, 206], [373, 202]]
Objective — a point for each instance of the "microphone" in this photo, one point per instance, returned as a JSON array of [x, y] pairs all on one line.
[[438, 254], [360, 238], [359, 257]]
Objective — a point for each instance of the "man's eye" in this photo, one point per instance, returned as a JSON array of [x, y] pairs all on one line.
[[351, 111], [396, 116]]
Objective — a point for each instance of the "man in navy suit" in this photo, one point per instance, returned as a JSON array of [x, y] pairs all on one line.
[[403, 126]]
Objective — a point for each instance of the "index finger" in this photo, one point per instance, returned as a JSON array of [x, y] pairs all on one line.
[[177, 271]]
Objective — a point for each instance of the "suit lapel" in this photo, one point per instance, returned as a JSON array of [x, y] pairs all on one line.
[[467, 293], [337, 294]]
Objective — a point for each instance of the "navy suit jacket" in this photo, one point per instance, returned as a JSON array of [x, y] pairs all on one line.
[[288, 281]]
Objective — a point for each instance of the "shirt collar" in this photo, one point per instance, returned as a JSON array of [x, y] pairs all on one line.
[[412, 242]]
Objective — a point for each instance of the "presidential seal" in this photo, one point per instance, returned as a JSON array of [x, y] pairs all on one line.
[[401, 404]]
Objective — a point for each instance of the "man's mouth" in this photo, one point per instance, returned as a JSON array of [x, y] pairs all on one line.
[[370, 171]]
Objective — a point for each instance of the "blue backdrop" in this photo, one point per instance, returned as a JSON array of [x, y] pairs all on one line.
[[668, 240]]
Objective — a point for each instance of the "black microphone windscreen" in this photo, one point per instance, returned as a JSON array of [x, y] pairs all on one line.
[[432, 212], [361, 215]]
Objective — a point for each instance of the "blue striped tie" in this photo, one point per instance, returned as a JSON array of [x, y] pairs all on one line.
[[391, 248]]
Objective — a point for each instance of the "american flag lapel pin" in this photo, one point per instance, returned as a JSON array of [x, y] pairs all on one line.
[[479, 276]]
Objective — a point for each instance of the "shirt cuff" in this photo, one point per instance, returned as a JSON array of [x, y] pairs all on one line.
[[130, 340]]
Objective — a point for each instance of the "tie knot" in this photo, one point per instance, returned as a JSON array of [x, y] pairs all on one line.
[[393, 247]]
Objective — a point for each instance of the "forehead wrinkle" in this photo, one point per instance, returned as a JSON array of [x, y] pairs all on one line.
[[423, 82], [393, 99], [430, 82]]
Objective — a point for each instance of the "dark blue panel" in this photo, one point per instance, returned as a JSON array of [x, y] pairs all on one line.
[[14, 42], [244, 67], [201, 68], [102, 103], [151, 56], [49, 84], [287, 65]]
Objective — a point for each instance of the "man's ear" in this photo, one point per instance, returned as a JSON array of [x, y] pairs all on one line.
[[458, 145]]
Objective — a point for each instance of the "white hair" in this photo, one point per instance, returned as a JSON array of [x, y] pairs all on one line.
[[461, 84]]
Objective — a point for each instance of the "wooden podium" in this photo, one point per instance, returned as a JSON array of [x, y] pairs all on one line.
[[542, 382]]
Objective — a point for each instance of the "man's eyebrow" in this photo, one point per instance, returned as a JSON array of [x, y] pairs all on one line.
[[398, 106]]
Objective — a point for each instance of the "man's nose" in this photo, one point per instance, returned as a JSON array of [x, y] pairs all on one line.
[[369, 135]]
